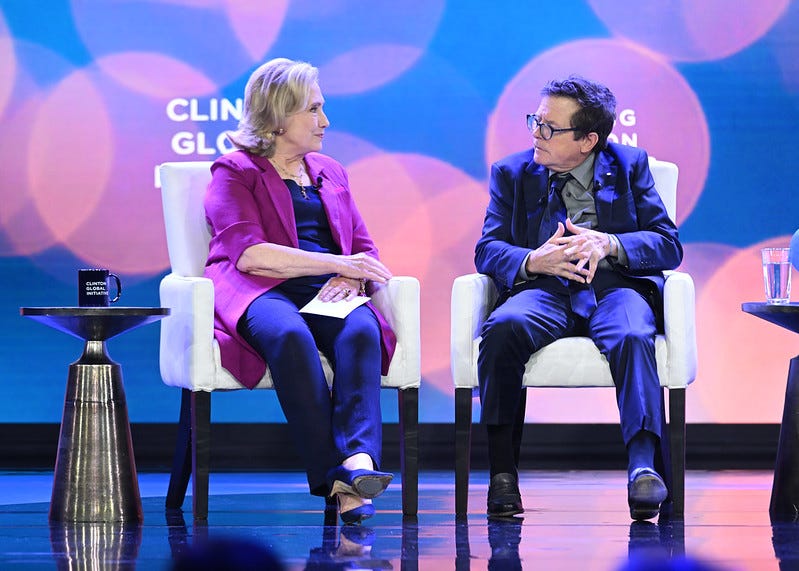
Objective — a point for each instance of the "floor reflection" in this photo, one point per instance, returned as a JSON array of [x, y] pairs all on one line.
[[504, 537], [463, 554], [346, 547], [99, 546], [662, 540], [575, 520], [785, 540], [340, 546]]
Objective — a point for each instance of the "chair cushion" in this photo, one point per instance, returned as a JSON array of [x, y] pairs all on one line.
[[574, 362], [190, 356]]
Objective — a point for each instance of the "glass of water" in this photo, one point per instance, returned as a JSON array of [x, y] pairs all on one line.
[[777, 274]]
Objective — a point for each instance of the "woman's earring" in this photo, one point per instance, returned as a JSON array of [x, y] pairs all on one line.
[[280, 131]]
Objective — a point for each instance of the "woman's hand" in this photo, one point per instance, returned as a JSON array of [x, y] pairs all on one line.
[[362, 267], [340, 288]]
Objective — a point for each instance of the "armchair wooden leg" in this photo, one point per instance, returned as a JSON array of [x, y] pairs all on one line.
[[409, 449], [463, 448], [181, 463], [677, 440], [201, 452]]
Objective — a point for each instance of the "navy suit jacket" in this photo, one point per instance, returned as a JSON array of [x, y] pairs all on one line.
[[627, 205]]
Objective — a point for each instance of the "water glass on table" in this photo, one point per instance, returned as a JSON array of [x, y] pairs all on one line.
[[777, 274]]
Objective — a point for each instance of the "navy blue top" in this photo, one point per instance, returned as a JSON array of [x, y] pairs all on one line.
[[313, 231]]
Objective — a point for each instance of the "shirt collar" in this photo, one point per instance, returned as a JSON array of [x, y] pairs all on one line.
[[583, 173]]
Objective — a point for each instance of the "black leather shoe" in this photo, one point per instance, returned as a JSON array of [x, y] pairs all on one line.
[[645, 492], [504, 499]]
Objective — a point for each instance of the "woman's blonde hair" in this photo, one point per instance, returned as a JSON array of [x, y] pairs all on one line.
[[275, 90]]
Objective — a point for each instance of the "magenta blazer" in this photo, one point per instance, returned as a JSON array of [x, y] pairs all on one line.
[[248, 203]]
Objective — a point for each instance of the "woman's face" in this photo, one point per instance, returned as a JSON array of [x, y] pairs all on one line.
[[304, 129]]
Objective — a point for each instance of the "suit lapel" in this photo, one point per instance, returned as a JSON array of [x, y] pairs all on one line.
[[535, 186], [342, 235], [278, 194], [604, 188]]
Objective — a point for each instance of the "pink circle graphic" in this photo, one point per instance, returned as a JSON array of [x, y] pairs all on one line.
[[222, 40], [782, 42], [702, 260], [425, 219], [126, 230], [657, 110], [743, 360], [8, 64], [256, 24], [24, 231], [348, 148], [359, 49], [98, 194], [355, 71], [155, 75], [687, 30], [593, 405], [395, 214], [72, 137]]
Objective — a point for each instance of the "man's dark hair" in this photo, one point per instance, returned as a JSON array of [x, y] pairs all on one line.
[[597, 106]]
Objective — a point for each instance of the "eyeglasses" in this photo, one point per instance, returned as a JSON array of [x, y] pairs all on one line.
[[546, 130]]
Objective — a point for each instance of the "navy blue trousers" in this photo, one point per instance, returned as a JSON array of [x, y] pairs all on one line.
[[622, 326], [327, 425]]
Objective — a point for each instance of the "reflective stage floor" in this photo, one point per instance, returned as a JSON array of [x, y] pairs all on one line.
[[574, 520]]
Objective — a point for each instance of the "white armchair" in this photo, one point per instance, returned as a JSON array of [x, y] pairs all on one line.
[[189, 354], [576, 361]]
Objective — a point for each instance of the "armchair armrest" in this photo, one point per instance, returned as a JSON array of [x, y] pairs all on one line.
[[473, 297], [679, 318], [399, 302], [187, 334]]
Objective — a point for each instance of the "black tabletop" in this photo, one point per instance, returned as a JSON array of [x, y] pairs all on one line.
[[94, 323], [783, 314]]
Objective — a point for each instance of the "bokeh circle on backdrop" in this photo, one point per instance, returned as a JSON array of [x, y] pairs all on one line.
[[358, 49], [744, 360], [234, 35], [72, 136], [155, 75], [782, 41], [394, 212], [347, 148], [380, 43], [650, 95], [24, 231], [8, 64], [424, 215], [686, 30], [102, 143], [701, 260], [356, 72]]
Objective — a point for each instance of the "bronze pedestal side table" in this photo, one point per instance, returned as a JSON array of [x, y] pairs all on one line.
[[95, 473], [784, 503]]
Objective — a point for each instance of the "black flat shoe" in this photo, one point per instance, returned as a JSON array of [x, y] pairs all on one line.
[[367, 484], [504, 499], [646, 490]]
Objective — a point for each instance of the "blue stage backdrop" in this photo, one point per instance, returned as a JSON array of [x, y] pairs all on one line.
[[422, 95]]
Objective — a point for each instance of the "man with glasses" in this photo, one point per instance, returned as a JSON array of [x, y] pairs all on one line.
[[576, 238]]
